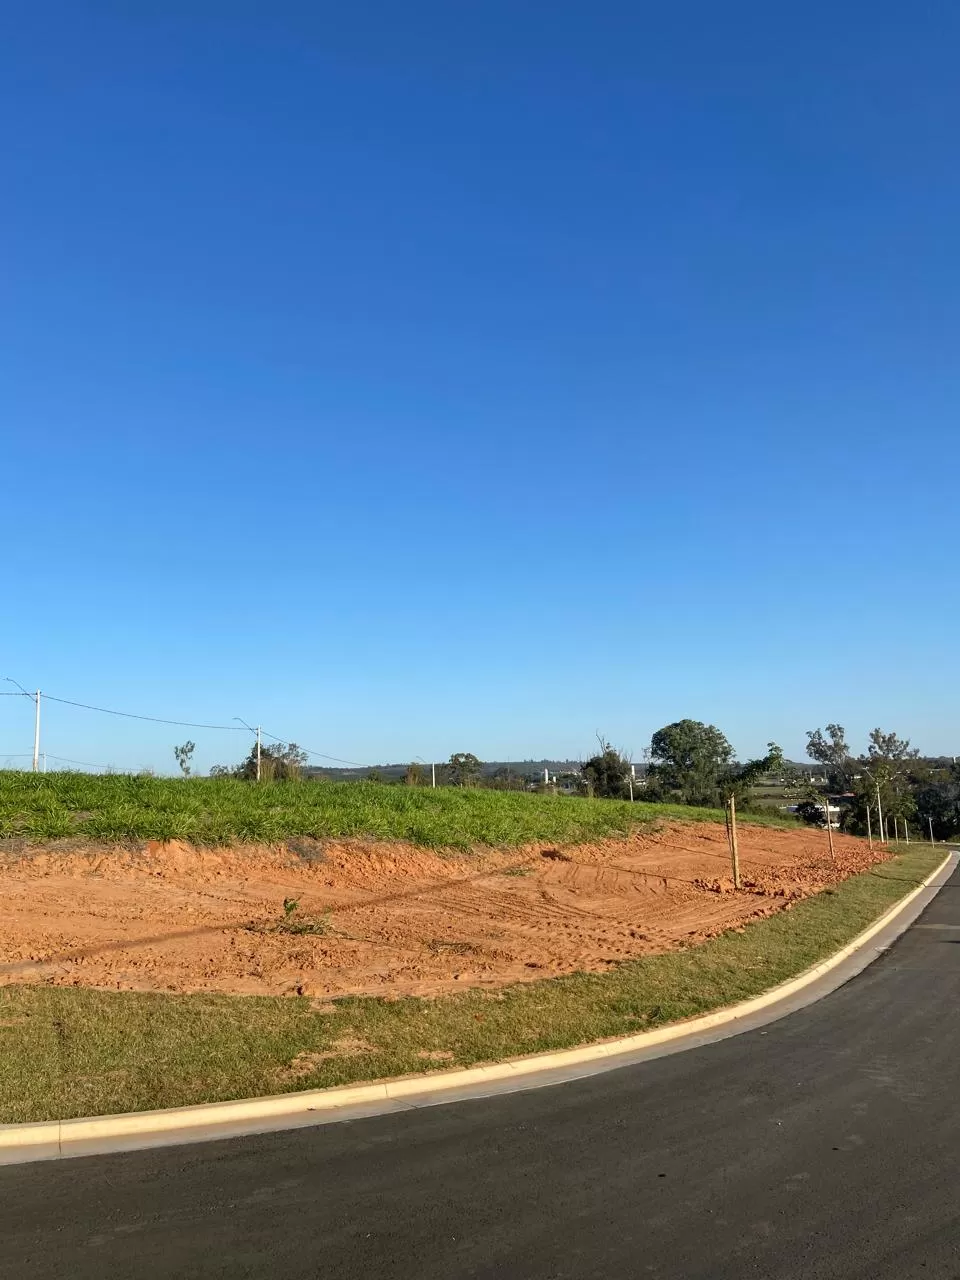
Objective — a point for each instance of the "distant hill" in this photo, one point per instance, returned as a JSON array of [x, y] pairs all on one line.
[[522, 768]]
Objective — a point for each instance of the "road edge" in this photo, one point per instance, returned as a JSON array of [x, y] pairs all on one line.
[[98, 1135]]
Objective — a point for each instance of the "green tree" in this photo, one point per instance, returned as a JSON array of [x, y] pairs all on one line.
[[886, 770], [183, 755], [831, 751], [737, 779], [414, 777], [689, 760], [279, 762], [606, 773], [937, 799], [463, 769]]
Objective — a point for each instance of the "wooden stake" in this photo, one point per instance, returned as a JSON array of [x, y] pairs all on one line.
[[734, 848], [826, 809]]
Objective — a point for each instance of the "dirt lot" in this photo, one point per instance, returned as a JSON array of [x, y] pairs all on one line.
[[387, 919]]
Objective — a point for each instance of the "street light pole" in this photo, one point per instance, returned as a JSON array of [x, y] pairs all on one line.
[[36, 723], [36, 737], [257, 732]]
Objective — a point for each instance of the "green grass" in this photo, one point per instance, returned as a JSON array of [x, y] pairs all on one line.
[[211, 811], [71, 1052]]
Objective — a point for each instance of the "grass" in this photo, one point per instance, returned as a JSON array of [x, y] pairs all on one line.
[[214, 811], [72, 1052]]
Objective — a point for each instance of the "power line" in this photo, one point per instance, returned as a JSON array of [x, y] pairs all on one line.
[[129, 715], [181, 724], [86, 763], [320, 755]]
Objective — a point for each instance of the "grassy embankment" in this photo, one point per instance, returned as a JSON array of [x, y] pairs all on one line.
[[76, 1052], [121, 807]]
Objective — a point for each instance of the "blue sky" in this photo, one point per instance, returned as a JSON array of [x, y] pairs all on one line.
[[429, 377]]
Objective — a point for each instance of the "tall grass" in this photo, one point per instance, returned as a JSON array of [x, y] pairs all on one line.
[[212, 811]]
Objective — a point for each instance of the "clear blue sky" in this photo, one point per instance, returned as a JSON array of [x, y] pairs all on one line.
[[433, 377]]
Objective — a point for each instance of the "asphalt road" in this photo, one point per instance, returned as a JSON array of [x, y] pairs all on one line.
[[827, 1145]]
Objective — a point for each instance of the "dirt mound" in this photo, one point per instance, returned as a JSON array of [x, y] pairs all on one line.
[[350, 917]]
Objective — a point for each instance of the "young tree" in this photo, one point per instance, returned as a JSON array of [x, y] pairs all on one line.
[[885, 771], [832, 752], [183, 755], [737, 779], [414, 777], [463, 769]]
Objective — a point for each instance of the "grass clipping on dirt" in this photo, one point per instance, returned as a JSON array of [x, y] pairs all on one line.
[[74, 1052], [224, 811]]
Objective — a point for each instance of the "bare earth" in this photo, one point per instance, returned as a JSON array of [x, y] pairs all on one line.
[[391, 919]]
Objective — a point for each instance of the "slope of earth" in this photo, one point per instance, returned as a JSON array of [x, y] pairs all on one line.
[[348, 917]]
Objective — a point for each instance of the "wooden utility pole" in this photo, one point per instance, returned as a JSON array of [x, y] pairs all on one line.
[[734, 847]]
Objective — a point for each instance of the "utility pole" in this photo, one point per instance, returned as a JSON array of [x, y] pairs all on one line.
[[433, 774], [631, 779], [932, 841], [258, 753], [826, 807], [36, 737]]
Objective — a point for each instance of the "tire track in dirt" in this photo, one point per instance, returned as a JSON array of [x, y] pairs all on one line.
[[389, 919]]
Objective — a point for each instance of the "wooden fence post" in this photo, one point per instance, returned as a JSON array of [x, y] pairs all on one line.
[[734, 847]]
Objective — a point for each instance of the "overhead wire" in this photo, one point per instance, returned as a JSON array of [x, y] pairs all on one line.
[[319, 754], [129, 715], [181, 724]]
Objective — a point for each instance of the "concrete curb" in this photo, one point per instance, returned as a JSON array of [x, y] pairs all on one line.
[[58, 1139]]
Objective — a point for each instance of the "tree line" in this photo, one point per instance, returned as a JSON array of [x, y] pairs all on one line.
[[692, 763], [888, 783]]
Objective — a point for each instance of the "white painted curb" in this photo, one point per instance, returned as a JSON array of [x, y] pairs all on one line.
[[54, 1139]]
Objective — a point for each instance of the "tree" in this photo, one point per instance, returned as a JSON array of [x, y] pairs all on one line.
[[737, 779], [463, 769], [890, 767], [885, 770], [183, 754], [937, 798], [414, 777], [689, 761], [832, 752], [607, 772], [280, 762]]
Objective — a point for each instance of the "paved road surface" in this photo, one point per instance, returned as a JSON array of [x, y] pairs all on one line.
[[827, 1145]]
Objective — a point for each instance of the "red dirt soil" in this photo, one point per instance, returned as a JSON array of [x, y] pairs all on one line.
[[390, 919]]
